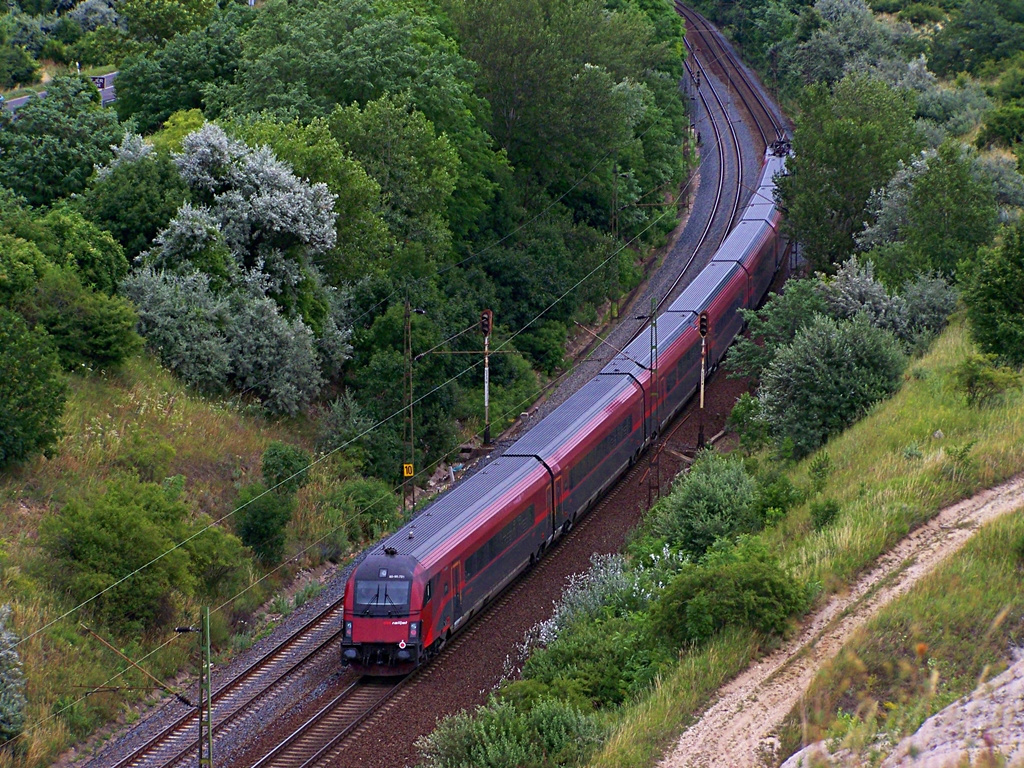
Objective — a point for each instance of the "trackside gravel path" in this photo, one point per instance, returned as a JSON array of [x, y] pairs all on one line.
[[737, 729]]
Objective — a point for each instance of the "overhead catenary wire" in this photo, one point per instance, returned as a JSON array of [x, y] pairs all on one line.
[[320, 459], [472, 367], [344, 523]]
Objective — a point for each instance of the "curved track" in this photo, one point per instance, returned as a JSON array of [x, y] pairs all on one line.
[[324, 735], [722, 60]]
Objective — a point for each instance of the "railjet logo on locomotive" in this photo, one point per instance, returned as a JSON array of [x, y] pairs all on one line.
[[419, 586]]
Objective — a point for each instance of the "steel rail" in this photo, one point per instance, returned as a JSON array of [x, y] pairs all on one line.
[[179, 738], [722, 57]]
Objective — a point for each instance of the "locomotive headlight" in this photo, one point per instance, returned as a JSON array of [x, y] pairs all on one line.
[[348, 629], [414, 630]]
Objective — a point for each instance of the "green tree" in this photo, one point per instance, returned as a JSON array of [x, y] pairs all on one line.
[[417, 170], [153, 21], [89, 328], [978, 31], [50, 150], [135, 200], [152, 87], [32, 390], [950, 212], [994, 295], [314, 154], [848, 141], [827, 378], [16, 66]]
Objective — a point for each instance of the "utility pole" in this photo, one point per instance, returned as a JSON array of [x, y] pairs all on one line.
[[486, 324], [654, 484], [205, 705], [702, 327], [408, 392]]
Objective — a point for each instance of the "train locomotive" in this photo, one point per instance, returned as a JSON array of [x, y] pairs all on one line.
[[421, 584]]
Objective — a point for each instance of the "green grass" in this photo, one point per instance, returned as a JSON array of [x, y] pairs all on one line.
[[924, 650], [644, 729], [884, 491], [137, 419]]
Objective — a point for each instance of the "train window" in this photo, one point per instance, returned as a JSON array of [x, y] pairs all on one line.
[[382, 595], [589, 463], [501, 541], [426, 594]]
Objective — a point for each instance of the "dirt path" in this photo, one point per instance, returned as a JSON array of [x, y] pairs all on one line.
[[736, 730]]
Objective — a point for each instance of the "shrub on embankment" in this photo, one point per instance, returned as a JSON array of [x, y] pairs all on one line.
[[909, 457]]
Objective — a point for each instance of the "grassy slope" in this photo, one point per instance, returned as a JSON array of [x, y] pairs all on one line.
[[923, 651], [890, 474], [140, 418]]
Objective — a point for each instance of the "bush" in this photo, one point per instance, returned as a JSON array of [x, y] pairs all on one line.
[[183, 321], [714, 500], [499, 735], [271, 355], [361, 510], [284, 467], [32, 390], [88, 327], [774, 325], [263, 518], [994, 295], [597, 663], [746, 421], [823, 512], [930, 300], [776, 492], [345, 424], [736, 586], [827, 378], [983, 381], [12, 681], [22, 265], [93, 252], [147, 454], [855, 291], [106, 535]]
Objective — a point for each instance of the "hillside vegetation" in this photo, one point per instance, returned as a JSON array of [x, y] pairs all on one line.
[[824, 520]]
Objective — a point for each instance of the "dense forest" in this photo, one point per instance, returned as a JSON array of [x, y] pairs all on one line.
[[206, 288]]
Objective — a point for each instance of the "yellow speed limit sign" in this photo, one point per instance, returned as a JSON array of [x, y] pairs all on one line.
[[407, 470]]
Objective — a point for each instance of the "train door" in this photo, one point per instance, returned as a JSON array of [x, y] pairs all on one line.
[[556, 505], [456, 592]]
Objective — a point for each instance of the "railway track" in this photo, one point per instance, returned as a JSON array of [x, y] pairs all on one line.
[[722, 60], [324, 735], [268, 676], [321, 740]]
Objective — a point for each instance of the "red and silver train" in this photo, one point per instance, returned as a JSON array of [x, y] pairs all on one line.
[[421, 584]]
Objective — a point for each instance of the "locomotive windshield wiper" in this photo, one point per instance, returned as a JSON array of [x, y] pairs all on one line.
[[387, 598], [376, 600]]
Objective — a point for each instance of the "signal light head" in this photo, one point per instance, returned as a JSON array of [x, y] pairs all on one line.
[[702, 324]]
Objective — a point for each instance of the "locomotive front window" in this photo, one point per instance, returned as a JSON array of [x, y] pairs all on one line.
[[382, 597]]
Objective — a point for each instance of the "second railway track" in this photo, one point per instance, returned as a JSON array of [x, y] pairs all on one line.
[[267, 676], [330, 730]]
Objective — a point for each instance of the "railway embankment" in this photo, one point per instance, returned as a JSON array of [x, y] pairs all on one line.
[[912, 482]]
